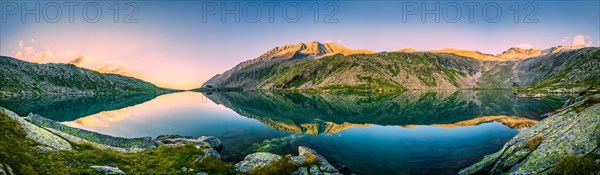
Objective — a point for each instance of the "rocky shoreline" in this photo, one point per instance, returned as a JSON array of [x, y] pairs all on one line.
[[52, 136], [568, 141]]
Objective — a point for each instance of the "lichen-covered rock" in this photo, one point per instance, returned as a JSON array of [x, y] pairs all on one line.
[[214, 142], [572, 131], [209, 152], [301, 171], [324, 164], [94, 137], [108, 169], [44, 148], [314, 170], [256, 160], [79, 140], [298, 160], [177, 140], [38, 134]]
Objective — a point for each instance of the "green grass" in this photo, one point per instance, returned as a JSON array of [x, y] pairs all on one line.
[[534, 142], [574, 165], [20, 153], [278, 167]]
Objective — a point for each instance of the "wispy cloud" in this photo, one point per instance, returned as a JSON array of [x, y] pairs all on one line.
[[79, 61], [27, 51]]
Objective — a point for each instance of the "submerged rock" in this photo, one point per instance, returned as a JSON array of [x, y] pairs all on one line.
[[108, 169], [38, 134], [256, 160], [572, 131]]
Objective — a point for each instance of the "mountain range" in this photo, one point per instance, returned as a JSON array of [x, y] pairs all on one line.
[[25, 78], [314, 65]]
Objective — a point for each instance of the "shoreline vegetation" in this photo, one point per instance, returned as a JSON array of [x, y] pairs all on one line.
[[36, 145]]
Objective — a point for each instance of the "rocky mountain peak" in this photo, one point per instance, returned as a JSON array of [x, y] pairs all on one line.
[[310, 49], [468, 53], [519, 53], [561, 48]]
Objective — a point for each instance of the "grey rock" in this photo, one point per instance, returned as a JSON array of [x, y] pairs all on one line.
[[108, 169], [301, 171], [546, 114], [328, 168], [324, 164], [44, 148], [298, 160], [314, 170], [177, 140], [214, 142], [522, 172], [84, 136], [336, 173], [38, 134], [209, 152], [186, 169], [255, 160], [566, 132], [201, 173], [171, 136]]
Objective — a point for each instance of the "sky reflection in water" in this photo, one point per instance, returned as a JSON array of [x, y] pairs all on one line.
[[410, 133]]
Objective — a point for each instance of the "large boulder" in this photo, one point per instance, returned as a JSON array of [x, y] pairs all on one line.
[[38, 134], [108, 169], [178, 140], [324, 165], [214, 142], [256, 160], [573, 131], [208, 153]]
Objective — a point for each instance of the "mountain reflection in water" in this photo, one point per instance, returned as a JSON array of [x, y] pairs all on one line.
[[370, 133]]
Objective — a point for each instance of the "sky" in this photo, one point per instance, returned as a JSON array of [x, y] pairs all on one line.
[[181, 44]]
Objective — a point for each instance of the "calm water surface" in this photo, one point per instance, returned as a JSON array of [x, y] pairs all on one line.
[[383, 133]]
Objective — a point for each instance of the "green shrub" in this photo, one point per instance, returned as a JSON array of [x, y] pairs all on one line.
[[216, 166], [575, 165], [534, 142]]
